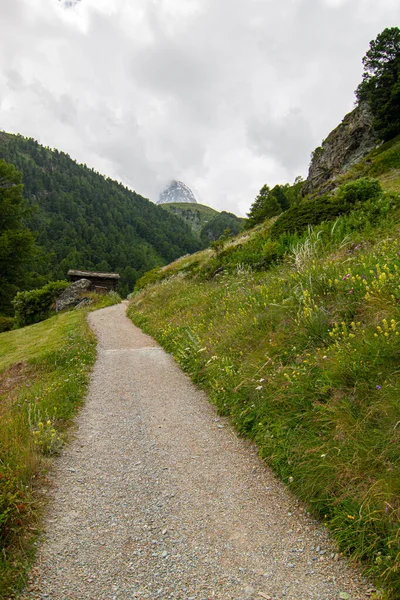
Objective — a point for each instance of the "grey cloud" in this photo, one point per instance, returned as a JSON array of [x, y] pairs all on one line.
[[287, 139], [224, 95]]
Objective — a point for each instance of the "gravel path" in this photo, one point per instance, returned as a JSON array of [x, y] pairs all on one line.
[[157, 498]]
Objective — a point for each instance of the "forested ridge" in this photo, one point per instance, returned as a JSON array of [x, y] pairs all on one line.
[[84, 220]]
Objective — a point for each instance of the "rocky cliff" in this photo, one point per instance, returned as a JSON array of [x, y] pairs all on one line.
[[346, 145]]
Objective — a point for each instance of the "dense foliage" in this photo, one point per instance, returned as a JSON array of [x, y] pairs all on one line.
[[312, 212], [270, 203], [35, 305], [89, 222], [380, 86], [216, 227], [16, 241]]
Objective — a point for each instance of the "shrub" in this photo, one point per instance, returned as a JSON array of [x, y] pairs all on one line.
[[150, 277], [325, 208], [360, 190], [6, 323], [35, 305]]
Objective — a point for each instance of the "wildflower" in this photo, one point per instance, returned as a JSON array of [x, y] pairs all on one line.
[[378, 387], [259, 387], [350, 517]]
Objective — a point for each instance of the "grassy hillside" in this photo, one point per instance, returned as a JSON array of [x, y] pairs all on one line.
[[297, 338], [206, 223], [88, 222], [44, 371], [195, 215]]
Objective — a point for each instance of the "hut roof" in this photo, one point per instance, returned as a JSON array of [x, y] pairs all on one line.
[[88, 274]]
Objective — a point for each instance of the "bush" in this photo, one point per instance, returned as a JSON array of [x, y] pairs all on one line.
[[150, 277], [360, 190], [325, 208], [35, 305], [6, 323]]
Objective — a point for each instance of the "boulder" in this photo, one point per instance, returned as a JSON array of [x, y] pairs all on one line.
[[85, 301], [345, 146], [72, 295]]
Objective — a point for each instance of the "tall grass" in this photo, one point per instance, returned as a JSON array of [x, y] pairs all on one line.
[[304, 357], [44, 370]]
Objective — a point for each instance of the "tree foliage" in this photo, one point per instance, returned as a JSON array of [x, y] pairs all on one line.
[[271, 202], [264, 206], [16, 241], [380, 86], [34, 306], [216, 227], [86, 221], [325, 208]]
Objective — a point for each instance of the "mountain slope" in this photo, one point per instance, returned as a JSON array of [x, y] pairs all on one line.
[[195, 215], [89, 222], [206, 223]]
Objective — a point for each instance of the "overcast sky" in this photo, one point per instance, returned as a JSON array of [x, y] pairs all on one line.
[[225, 95]]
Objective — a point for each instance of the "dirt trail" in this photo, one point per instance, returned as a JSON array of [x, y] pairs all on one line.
[[157, 497]]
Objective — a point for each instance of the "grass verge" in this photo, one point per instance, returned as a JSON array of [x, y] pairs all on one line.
[[44, 372], [304, 357]]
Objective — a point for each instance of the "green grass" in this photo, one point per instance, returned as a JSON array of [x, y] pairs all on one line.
[[304, 356], [44, 372]]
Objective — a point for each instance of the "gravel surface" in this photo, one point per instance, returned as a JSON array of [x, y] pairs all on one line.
[[156, 497]]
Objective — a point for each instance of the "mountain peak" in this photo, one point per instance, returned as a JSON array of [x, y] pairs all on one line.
[[176, 191]]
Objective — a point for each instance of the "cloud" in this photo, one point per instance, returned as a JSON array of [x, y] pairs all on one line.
[[224, 96], [287, 138]]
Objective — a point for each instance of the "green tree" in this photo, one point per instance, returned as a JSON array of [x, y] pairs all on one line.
[[216, 226], [380, 86], [280, 193], [16, 242], [265, 206]]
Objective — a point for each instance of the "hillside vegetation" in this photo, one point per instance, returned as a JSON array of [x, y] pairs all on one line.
[[294, 331], [86, 221], [44, 370], [205, 222], [195, 215]]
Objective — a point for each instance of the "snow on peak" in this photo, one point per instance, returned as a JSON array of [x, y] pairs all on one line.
[[176, 191]]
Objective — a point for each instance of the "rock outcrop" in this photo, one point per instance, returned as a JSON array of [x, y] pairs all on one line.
[[177, 191], [73, 294], [346, 145]]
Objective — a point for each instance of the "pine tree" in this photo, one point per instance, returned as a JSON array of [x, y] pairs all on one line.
[[380, 86], [16, 242]]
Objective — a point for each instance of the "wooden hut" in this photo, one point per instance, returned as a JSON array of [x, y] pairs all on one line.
[[101, 282]]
